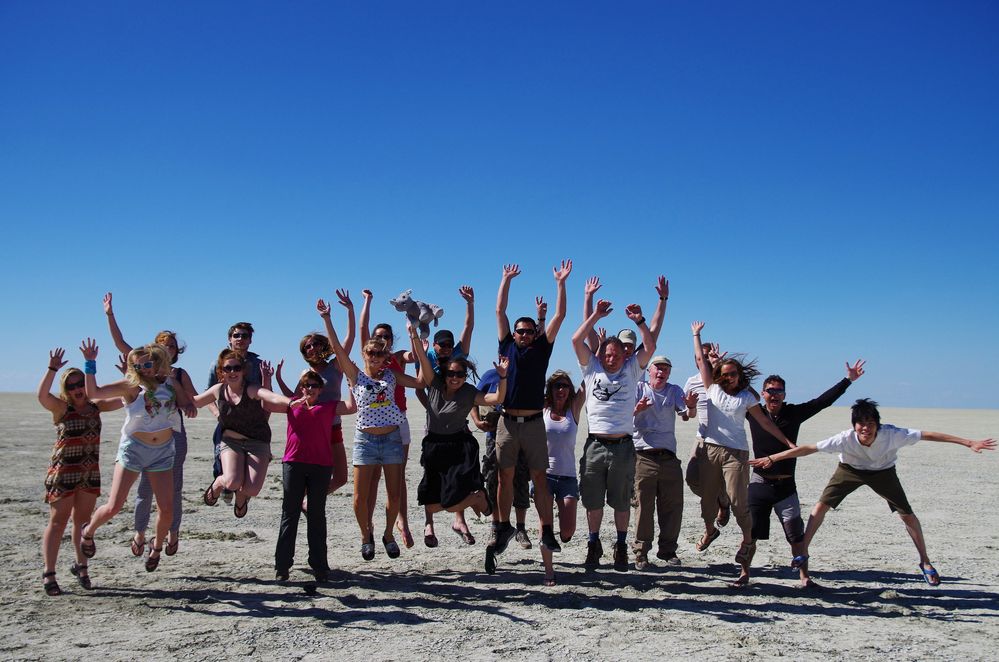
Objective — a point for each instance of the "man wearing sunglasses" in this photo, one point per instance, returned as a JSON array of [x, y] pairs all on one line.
[[773, 489], [521, 426], [240, 337]]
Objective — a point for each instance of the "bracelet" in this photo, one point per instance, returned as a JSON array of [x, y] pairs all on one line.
[[90, 367], [641, 321], [663, 298], [502, 378], [53, 369]]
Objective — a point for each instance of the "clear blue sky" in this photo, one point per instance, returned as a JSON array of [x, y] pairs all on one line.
[[819, 181]]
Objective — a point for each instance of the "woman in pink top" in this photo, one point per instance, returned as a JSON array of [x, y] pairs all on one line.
[[307, 465]]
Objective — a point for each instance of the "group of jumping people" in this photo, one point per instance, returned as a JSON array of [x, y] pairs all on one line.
[[531, 417]]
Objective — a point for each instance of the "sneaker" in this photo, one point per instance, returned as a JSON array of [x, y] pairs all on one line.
[[670, 559], [491, 559], [281, 575], [523, 539], [368, 551], [503, 536], [227, 497], [641, 560], [621, 556], [594, 550], [549, 542]]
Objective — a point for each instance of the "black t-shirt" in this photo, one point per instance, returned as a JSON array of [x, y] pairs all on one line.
[[525, 385]]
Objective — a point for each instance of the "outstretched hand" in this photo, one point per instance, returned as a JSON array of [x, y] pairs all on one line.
[[107, 304], [344, 297], [983, 445], [542, 307], [690, 400], [592, 285], [856, 371], [89, 349], [642, 405], [511, 270], [502, 365], [662, 288], [266, 369], [323, 308], [634, 313], [122, 364], [366, 294], [467, 293], [695, 327], [603, 308], [55, 359], [562, 272]]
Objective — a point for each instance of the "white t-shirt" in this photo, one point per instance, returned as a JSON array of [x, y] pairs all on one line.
[[561, 444], [727, 417], [882, 454], [695, 385], [610, 398], [655, 427]]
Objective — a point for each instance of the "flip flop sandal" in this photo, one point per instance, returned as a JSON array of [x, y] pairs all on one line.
[[930, 574], [745, 553], [209, 497], [239, 511], [466, 536], [799, 561], [136, 546], [51, 587], [153, 562], [78, 570], [87, 545], [704, 543], [740, 583], [172, 547]]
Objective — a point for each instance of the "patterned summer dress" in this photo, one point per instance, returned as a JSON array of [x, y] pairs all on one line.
[[75, 455]]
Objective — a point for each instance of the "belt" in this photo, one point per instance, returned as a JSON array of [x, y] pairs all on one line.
[[618, 440], [656, 451], [522, 419], [775, 479]]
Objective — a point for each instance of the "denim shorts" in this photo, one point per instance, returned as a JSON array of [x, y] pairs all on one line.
[[371, 449], [137, 456], [561, 487]]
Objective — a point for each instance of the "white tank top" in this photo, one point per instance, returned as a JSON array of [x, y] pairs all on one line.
[[152, 412], [561, 445]]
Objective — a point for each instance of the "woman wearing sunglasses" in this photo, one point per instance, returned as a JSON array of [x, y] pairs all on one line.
[[377, 441], [246, 433], [73, 482], [143, 496], [452, 479], [153, 401], [318, 354], [307, 466]]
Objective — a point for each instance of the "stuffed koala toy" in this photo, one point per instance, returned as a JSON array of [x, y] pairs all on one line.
[[418, 313]]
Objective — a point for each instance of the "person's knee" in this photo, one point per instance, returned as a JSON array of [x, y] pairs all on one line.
[[820, 509], [794, 530]]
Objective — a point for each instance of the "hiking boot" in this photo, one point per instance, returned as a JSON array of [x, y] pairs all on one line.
[[621, 556], [504, 533], [523, 539], [594, 550]]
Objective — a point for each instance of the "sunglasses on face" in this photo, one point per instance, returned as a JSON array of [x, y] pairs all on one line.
[[774, 391], [383, 337], [309, 385], [524, 332], [376, 353], [239, 335], [73, 386], [456, 373], [562, 387], [232, 368], [143, 366]]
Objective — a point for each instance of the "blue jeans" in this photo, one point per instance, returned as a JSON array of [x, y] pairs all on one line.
[[370, 449]]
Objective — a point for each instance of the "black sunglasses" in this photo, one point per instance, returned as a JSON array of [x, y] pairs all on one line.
[[524, 331], [72, 386], [232, 368], [456, 373]]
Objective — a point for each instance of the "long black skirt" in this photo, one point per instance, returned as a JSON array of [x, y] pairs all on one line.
[[450, 469]]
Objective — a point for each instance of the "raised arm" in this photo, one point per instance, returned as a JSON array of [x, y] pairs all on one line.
[[577, 402], [583, 353], [561, 273], [702, 361], [510, 271], [977, 446], [589, 289], [119, 341], [643, 356], [542, 311], [808, 409], [769, 425], [347, 366], [468, 294], [343, 296], [656, 325], [55, 405], [119, 389], [365, 316], [426, 374], [497, 396], [208, 397], [348, 406], [281, 385]]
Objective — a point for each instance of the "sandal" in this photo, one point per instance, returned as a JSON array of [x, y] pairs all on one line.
[[464, 535], [172, 547], [137, 545], [706, 540], [930, 574], [429, 539], [87, 545], [391, 548], [209, 497], [240, 511], [745, 554], [153, 562], [741, 582], [799, 561], [51, 587], [79, 570], [550, 580]]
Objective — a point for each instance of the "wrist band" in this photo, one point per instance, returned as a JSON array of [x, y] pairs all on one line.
[[90, 367], [53, 369], [641, 321]]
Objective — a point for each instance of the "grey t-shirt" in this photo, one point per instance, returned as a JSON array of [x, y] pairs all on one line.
[[448, 416]]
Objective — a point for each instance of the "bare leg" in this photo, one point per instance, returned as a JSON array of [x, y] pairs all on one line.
[[593, 520], [121, 483], [393, 488], [916, 533], [376, 475], [363, 475], [402, 522], [339, 477], [542, 495], [233, 472], [567, 518], [59, 512], [814, 522], [83, 509], [162, 484]]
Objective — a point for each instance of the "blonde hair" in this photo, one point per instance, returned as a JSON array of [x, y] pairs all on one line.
[[66, 374], [161, 364]]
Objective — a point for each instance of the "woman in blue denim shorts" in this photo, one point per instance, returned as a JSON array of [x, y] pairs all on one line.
[[377, 441]]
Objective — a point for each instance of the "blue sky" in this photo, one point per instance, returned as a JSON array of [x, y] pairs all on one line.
[[819, 181]]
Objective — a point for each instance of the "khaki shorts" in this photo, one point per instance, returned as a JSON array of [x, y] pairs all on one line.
[[884, 482], [253, 447], [607, 474], [530, 437]]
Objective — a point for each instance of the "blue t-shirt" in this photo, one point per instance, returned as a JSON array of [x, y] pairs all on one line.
[[525, 386], [458, 353]]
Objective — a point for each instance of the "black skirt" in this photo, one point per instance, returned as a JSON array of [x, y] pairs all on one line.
[[450, 469]]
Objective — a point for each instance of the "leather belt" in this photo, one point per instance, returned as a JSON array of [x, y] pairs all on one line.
[[522, 419]]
